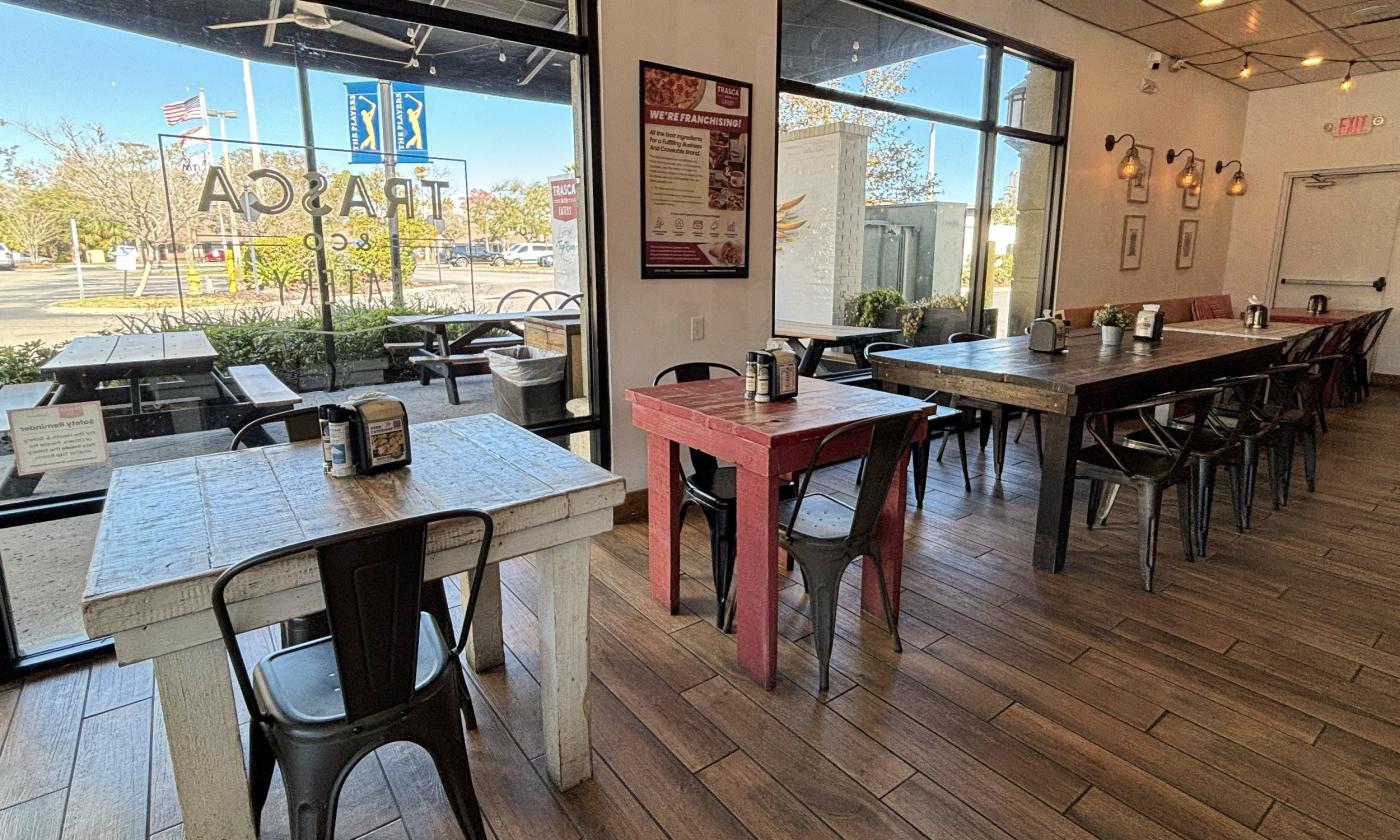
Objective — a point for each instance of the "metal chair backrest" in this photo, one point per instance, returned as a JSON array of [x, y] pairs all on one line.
[[885, 347], [889, 441], [1306, 347], [575, 300], [530, 294], [546, 296], [1286, 390], [372, 580], [964, 337], [700, 462], [1373, 330], [1197, 402], [1235, 414], [302, 424]]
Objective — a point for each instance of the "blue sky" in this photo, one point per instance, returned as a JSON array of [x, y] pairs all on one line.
[[124, 79]]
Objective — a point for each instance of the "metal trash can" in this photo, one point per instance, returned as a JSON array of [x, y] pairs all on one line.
[[529, 384]]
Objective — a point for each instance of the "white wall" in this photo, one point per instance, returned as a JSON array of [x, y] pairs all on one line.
[[649, 320], [1283, 134], [1191, 108]]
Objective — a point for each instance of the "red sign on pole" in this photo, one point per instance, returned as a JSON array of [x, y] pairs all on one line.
[[563, 199]]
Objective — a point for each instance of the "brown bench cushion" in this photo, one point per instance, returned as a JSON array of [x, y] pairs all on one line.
[[1212, 306], [1174, 310]]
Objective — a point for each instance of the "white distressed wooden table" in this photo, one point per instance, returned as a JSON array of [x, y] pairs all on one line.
[[169, 529], [1275, 331]]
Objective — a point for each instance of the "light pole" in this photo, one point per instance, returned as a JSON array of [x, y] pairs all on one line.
[[223, 146]]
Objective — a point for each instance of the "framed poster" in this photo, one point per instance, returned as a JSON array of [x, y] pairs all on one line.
[[1186, 243], [1138, 186], [1191, 198], [695, 174], [1130, 254]]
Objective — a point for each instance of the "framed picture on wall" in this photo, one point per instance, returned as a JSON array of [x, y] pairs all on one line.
[[1186, 243], [1191, 199], [1130, 256], [1138, 187]]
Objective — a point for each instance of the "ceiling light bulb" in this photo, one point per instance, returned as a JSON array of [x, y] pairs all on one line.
[[1210, 4], [1246, 71], [1237, 185], [432, 69], [501, 56], [1131, 164], [855, 46], [1312, 61], [1350, 81]]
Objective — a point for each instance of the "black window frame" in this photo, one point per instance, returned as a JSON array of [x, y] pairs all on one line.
[[582, 44], [989, 124]]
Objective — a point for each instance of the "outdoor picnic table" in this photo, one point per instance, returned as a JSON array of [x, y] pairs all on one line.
[[88, 361], [170, 528], [441, 354], [1065, 387], [821, 337], [765, 441]]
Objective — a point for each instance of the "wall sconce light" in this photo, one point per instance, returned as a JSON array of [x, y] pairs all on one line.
[[1131, 164], [1237, 186], [1187, 177]]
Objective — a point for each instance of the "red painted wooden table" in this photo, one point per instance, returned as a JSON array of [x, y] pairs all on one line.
[[765, 441], [1303, 316]]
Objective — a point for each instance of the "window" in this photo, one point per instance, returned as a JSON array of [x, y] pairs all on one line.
[[295, 191], [917, 158]]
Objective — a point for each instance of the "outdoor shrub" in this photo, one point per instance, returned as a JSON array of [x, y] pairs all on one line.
[[865, 309], [20, 362]]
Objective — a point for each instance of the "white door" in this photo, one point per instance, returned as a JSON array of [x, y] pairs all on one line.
[[1341, 234]]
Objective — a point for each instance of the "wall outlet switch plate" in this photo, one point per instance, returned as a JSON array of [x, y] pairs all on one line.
[[697, 329]]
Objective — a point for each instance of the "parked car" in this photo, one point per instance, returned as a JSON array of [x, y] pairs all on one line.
[[31, 259], [461, 255], [540, 253], [8, 261]]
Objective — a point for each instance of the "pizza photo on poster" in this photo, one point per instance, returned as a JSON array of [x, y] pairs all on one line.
[[695, 174]]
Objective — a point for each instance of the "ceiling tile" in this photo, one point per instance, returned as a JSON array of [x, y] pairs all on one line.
[[1176, 37], [1116, 15], [1330, 70], [1324, 44], [1383, 47], [1264, 81], [1354, 13], [1319, 5], [1191, 7], [1371, 31], [1251, 23]]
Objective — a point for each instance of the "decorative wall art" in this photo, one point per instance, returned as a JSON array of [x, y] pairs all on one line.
[[1130, 256], [1186, 242]]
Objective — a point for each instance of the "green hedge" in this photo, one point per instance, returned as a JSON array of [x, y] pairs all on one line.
[[20, 362]]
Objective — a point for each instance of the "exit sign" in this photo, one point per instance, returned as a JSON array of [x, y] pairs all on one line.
[[1354, 125]]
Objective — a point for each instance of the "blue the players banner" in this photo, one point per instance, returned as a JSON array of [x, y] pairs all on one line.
[[410, 121], [407, 118], [365, 142]]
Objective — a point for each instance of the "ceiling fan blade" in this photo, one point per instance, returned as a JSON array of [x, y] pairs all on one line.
[[243, 23], [369, 36]]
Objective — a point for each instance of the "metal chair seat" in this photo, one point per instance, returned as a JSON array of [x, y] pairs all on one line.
[[715, 487], [1139, 463], [300, 686], [820, 519]]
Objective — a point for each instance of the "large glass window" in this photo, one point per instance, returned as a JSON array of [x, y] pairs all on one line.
[[296, 190], [908, 196]]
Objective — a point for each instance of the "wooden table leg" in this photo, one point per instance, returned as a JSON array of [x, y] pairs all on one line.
[[562, 609], [485, 644], [664, 521], [1063, 436], [201, 726], [891, 529], [756, 567]]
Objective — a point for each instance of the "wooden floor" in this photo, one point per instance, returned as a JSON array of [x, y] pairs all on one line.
[[1256, 691]]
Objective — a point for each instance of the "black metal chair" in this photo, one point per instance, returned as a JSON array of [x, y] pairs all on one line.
[[529, 294], [713, 489], [1361, 360], [552, 299], [1107, 461], [824, 535], [995, 418], [1220, 442], [301, 424], [386, 673], [943, 421], [304, 424]]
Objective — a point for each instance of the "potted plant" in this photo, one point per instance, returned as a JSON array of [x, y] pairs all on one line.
[[1111, 321]]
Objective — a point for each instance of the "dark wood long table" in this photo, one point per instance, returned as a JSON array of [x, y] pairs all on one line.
[[1065, 387]]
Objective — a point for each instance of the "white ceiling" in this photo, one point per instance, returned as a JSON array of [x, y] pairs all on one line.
[[1216, 38]]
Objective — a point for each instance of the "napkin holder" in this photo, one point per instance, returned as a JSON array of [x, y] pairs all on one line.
[[378, 434], [1148, 326]]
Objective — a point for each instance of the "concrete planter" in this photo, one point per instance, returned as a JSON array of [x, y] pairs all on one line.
[[937, 325]]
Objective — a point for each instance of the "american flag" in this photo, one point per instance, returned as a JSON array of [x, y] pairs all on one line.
[[199, 133], [190, 109]]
